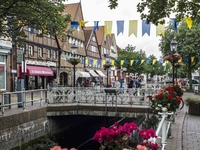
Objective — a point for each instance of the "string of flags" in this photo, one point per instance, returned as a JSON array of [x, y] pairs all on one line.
[[133, 26], [98, 62]]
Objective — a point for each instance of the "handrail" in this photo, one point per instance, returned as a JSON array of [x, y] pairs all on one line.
[[164, 125], [23, 99]]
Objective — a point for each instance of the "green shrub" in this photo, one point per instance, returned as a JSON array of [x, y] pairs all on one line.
[[189, 100]]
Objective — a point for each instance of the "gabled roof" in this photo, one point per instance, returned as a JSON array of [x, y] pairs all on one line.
[[100, 34], [73, 9], [88, 32]]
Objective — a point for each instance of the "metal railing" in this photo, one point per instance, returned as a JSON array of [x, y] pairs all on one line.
[[164, 126], [22, 98]]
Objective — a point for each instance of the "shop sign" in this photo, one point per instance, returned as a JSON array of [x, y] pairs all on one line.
[[40, 63]]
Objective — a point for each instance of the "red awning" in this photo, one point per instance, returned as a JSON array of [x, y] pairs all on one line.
[[36, 71]]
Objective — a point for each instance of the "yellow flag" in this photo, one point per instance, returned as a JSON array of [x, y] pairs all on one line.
[[107, 27], [189, 22], [192, 58], [131, 62], [44, 29], [121, 62], [154, 61], [180, 60], [82, 23], [103, 62], [94, 62], [160, 29], [133, 25], [19, 22], [112, 62], [86, 61], [142, 61]]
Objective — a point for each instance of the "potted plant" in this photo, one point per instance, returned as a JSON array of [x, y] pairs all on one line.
[[74, 61], [172, 58], [193, 105], [168, 97]]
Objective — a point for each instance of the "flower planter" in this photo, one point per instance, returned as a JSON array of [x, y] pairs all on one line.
[[194, 109]]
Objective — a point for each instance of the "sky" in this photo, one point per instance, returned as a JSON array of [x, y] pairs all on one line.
[[97, 10]]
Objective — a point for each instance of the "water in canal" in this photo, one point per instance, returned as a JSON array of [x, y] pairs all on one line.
[[80, 136]]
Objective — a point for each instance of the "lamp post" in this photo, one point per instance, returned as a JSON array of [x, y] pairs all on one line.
[[107, 66], [74, 61], [173, 47]]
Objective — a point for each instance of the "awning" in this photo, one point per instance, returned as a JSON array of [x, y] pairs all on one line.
[[82, 74], [101, 73], [36, 71], [93, 73]]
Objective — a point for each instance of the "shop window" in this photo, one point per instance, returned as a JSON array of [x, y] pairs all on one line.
[[2, 76]]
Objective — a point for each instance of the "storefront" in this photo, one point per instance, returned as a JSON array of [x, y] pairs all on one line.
[[4, 52]]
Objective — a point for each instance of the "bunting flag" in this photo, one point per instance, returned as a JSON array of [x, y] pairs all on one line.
[[66, 59], [133, 27], [19, 22], [145, 27], [86, 61], [192, 59], [83, 60], [125, 61], [136, 62], [107, 27], [120, 27], [103, 62], [199, 58], [160, 61], [99, 62], [160, 29], [185, 59], [189, 22], [90, 61], [199, 26], [121, 62], [82, 23], [96, 25], [112, 62], [44, 29], [31, 30], [175, 24], [131, 62], [141, 61], [154, 61], [94, 62], [148, 61], [74, 24]]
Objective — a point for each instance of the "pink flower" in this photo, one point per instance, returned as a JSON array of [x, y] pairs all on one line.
[[58, 148], [140, 147]]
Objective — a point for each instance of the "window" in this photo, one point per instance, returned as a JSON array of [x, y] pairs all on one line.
[[48, 53], [2, 75], [93, 48], [48, 35], [30, 50], [54, 54], [22, 48], [104, 51], [93, 39], [40, 52]]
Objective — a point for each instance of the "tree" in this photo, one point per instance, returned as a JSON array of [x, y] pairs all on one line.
[[129, 54], [188, 45], [37, 14], [159, 9]]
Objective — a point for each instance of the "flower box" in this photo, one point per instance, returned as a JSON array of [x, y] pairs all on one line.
[[193, 106], [74, 61]]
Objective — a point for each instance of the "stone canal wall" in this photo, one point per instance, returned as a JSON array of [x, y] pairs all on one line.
[[22, 127]]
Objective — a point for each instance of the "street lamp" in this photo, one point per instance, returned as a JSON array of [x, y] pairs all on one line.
[[74, 61], [173, 47]]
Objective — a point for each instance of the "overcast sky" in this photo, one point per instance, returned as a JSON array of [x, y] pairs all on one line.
[[97, 10]]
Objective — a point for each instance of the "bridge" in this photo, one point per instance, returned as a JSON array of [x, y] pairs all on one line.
[[25, 115]]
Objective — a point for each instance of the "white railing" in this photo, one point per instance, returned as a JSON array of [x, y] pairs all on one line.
[[164, 124]]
